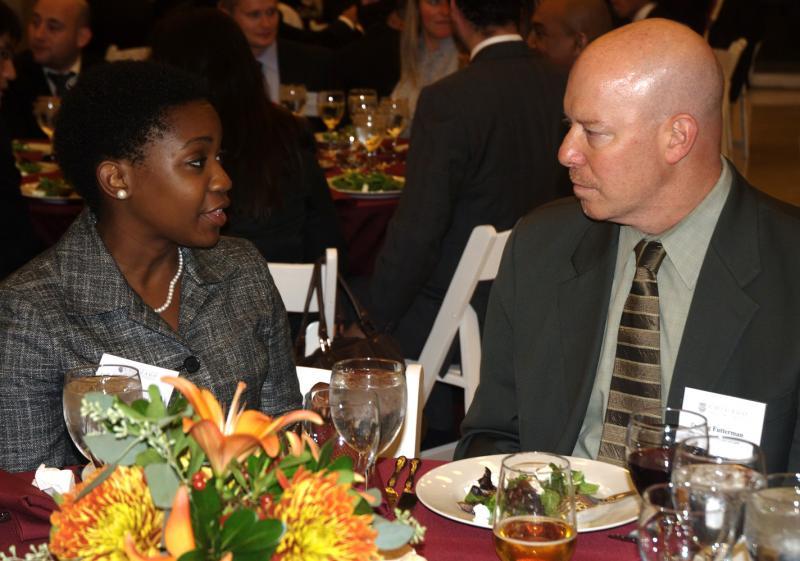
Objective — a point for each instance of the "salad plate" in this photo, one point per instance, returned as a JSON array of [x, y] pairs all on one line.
[[372, 185], [32, 190], [442, 488]]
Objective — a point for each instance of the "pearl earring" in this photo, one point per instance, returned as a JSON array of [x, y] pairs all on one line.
[[122, 194]]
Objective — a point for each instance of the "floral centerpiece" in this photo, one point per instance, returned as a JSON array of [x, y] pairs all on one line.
[[189, 483]]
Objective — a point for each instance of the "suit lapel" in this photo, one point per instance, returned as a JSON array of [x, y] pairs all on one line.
[[721, 310], [582, 308]]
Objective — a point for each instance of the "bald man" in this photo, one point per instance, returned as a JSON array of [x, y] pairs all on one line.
[[58, 31], [644, 104], [561, 29]]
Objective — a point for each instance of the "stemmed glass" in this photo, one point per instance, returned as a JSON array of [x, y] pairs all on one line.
[[727, 469], [651, 438], [293, 97], [674, 529], [370, 128], [387, 379], [117, 380], [397, 112], [318, 400], [45, 109], [360, 100], [355, 413], [772, 519], [525, 525], [330, 106]]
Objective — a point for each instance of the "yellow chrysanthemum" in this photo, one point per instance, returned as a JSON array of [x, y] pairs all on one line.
[[320, 525], [94, 527]]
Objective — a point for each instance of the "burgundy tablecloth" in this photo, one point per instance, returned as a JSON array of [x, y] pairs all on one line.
[[446, 540]]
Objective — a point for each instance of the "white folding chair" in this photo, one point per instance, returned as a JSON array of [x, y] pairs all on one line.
[[728, 59], [479, 262], [293, 279], [407, 443]]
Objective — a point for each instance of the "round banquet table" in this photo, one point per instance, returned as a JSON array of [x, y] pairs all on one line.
[[28, 511]]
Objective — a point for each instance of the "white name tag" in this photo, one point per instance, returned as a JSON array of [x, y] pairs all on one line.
[[149, 375], [727, 416]]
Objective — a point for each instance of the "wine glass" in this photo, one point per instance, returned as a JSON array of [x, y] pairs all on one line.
[[360, 100], [387, 379], [670, 528], [651, 438], [356, 416], [118, 380], [728, 469], [45, 109], [330, 106], [293, 97], [370, 126], [318, 400], [772, 519], [397, 112], [526, 524]]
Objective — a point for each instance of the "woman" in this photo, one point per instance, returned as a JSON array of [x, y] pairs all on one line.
[[428, 51], [142, 273], [281, 201]]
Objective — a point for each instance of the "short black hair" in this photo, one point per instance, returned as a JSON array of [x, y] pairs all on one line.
[[9, 23], [113, 112], [485, 14]]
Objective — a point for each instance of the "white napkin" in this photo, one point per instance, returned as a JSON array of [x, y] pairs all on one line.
[[53, 480]]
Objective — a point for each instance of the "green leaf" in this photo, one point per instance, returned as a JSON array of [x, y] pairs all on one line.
[[265, 534], [102, 476], [132, 411], [342, 463], [239, 523], [206, 510], [375, 497], [391, 535], [112, 450], [163, 484], [325, 453], [255, 555], [148, 457], [197, 456], [105, 401], [588, 488], [550, 501], [155, 407], [194, 555]]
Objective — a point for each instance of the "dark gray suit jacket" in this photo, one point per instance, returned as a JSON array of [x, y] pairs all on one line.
[[483, 151], [547, 313], [71, 304]]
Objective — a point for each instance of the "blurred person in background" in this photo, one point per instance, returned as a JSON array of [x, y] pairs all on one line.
[[18, 242], [280, 201], [58, 31], [561, 29]]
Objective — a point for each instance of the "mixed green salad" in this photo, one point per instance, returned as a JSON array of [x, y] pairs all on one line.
[[366, 182], [54, 187], [546, 495]]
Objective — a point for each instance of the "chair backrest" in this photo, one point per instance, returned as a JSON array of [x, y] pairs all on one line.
[[728, 59], [407, 443], [293, 280], [479, 262], [114, 54]]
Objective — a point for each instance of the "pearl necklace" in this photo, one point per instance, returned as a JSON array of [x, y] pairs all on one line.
[[172, 284]]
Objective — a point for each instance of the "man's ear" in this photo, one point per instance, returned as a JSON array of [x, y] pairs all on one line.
[[581, 40], [112, 179], [84, 36], [681, 135]]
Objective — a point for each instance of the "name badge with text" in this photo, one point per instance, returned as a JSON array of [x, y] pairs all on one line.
[[727, 415]]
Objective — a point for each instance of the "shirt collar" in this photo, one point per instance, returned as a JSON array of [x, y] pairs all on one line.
[[494, 39], [686, 243], [75, 68]]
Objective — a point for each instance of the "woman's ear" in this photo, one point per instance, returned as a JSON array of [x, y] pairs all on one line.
[[112, 179]]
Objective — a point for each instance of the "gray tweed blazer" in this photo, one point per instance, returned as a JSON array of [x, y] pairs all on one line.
[[71, 304]]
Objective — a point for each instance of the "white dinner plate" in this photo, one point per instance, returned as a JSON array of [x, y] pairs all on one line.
[[43, 147], [369, 194], [31, 191], [443, 487]]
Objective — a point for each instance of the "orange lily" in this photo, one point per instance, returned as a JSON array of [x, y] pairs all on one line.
[[223, 439], [178, 534]]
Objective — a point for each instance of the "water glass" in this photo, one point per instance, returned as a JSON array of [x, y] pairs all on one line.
[[772, 519], [45, 110], [370, 126], [330, 107], [355, 413], [674, 528], [387, 379], [531, 520], [293, 97], [117, 380], [651, 438], [360, 100]]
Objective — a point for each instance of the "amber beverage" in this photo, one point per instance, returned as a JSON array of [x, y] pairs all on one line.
[[527, 538]]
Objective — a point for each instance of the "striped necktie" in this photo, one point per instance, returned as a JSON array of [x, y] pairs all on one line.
[[636, 380]]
